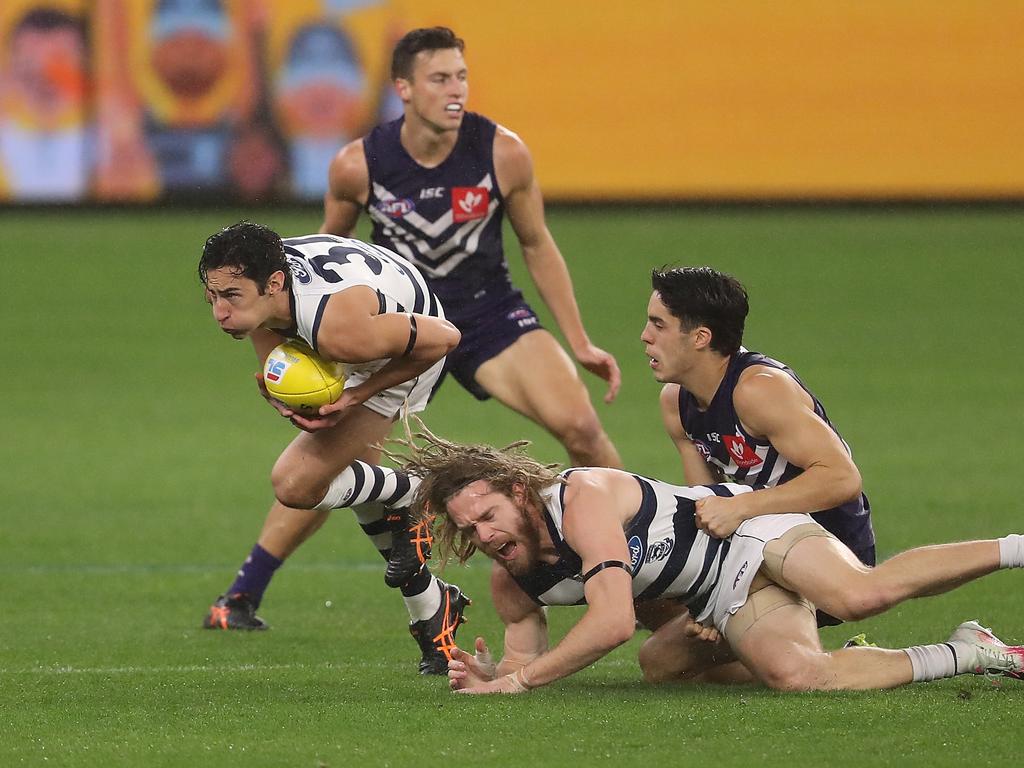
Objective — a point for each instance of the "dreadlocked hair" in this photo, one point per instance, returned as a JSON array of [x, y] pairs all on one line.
[[445, 468]]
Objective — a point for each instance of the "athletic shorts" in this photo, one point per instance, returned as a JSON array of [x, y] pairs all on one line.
[[746, 553], [486, 336], [414, 392]]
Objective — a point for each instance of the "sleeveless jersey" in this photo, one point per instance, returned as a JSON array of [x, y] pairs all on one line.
[[669, 556], [721, 440], [446, 220], [323, 265]]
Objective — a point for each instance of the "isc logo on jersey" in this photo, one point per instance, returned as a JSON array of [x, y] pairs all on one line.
[[470, 203]]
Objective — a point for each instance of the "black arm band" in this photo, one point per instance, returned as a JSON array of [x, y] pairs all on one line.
[[412, 335], [601, 566]]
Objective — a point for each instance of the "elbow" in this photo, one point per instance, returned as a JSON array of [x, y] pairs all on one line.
[[453, 337], [619, 632], [849, 485]]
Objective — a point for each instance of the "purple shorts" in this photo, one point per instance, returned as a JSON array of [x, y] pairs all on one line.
[[486, 337]]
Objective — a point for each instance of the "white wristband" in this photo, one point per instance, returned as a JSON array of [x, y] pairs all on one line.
[[519, 681]]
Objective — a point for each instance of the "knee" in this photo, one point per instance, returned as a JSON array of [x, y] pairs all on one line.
[[860, 600], [660, 665], [580, 432], [649, 664], [294, 490], [790, 673]]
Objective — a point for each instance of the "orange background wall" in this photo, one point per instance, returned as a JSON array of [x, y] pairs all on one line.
[[802, 98]]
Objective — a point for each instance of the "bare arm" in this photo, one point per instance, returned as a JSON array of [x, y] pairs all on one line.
[[525, 206], [771, 405], [352, 331], [595, 501], [695, 469], [348, 187], [526, 636]]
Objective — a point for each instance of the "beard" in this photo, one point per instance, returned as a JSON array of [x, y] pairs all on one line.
[[528, 541]]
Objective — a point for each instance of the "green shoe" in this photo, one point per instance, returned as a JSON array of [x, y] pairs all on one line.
[[859, 641]]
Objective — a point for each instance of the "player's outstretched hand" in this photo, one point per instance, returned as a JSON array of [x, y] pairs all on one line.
[[465, 671], [603, 364]]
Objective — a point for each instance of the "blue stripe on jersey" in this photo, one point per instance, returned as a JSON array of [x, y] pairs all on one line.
[[309, 239], [420, 290], [685, 532], [644, 516], [696, 606], [314, 333], [719, 490], [416, 277], [542, 578], [567, 553], [714, 545]]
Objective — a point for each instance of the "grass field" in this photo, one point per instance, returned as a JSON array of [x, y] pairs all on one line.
[[134, 470]]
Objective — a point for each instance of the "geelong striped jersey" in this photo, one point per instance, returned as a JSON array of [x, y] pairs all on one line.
[[446, 219], [669, 556], [323, 265], [722, 441]]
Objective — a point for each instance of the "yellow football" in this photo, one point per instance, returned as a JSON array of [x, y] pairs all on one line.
[[301, 379]]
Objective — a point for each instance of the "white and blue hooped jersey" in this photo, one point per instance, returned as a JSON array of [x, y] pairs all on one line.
[[669, 556], [323, 265]]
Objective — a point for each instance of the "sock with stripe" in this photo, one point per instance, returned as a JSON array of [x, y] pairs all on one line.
[[368, 489], [938, 661]]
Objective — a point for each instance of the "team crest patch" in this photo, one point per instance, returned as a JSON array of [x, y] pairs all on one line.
[[659, 550], [470, 203], [396, 209], [741, 453], [636, 553]]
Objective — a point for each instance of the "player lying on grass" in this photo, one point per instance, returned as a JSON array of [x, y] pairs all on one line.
[[368, 308], [608, 538]]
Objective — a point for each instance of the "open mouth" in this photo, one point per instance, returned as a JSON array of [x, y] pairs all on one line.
[[507, 550], [453, 109]]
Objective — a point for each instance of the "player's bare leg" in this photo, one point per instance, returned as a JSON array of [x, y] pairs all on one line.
[[285, 528], [535, 377], [825, 572], [783, 650], [674, 653]]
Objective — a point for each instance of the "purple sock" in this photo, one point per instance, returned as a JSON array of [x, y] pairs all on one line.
[[255, 574]]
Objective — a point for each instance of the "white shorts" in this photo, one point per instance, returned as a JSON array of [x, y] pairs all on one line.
[[415, 392], [746, 553]]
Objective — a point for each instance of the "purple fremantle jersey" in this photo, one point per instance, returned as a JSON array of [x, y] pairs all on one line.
[[722, 442], [446, 220]]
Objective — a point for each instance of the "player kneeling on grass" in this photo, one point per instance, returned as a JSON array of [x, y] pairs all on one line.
[[365, 307], [608, 538]]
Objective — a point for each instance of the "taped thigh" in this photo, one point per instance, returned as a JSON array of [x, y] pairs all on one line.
[[759, 604], [776, 550]]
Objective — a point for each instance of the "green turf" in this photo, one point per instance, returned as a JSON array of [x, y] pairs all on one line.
[[134, 472]]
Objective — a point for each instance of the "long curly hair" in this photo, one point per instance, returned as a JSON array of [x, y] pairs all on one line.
[[445, 468]]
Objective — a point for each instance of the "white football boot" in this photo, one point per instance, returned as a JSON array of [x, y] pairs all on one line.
[[992, 656]]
